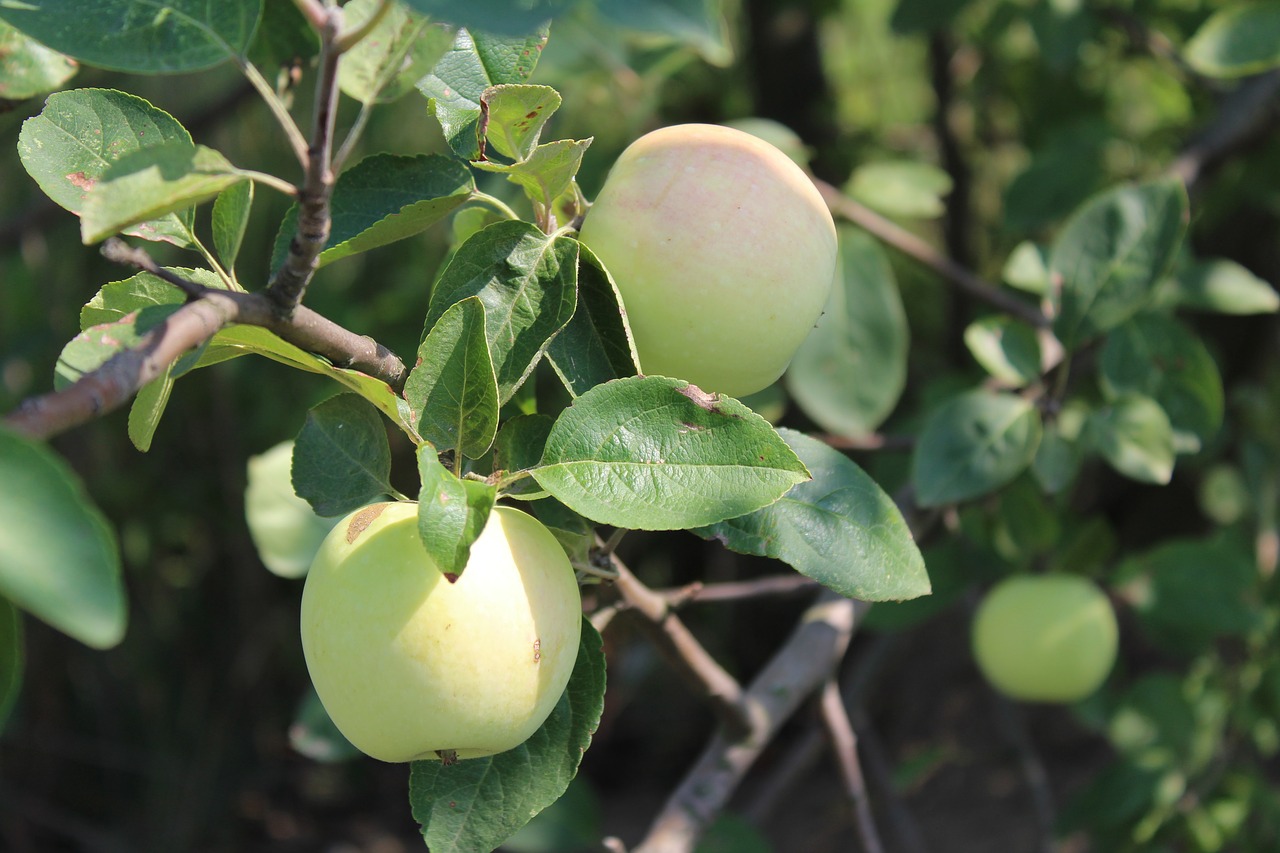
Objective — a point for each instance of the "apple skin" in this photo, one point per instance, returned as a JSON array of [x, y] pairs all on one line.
[[723, 252], [285, 530], [1045, 638], [410, 666]]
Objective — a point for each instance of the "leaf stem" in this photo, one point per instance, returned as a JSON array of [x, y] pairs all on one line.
[[291, 130], [494, 202]]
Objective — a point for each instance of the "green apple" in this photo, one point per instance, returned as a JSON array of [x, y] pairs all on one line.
[[285, 530], [410, 665], [1045, 638], [722, 250]]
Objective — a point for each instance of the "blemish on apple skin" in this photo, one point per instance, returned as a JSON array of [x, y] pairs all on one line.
[[362, 520], [537, 651], [448, 758]]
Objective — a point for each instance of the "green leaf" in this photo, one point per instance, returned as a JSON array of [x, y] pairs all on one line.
[[901, 188], [148, 407], [475, 62], [314, 735], [236, 341], [453, 392], [1057, 460], [1134, 435], [68, 147], [1111, 255], [514, 115], [519, 447], [849, 373], [658, 454], [501, 17], [1239, 40], [93, 347], [575, 534], [1187, 592], [13, 658], [527, 281], [474, 805], [341, 457], [382, 199], [401, 49], [1156, 356], [451, 513], [283, 38], [1006, 349], [142, 36], [58, 556], [230, 219], [839, 528], [547, 173], [572, 822], [699, 24], [972, 445], [1027, 268], [148, 183], [596, 345], [1224, 287], [30, 68], [285, 529]]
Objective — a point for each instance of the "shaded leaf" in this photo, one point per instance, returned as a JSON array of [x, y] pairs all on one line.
[[143, 36], [596, 345], [901, 188], [1154, 355], [849, 373], [341, 458], [1134, 435], [382, 199], [451, 513], [839, 528], [401, 49], [1239, 40], [697, 23], [475, 62], [13, 658], [230, 219], [147, 408], [657, 453], [1006, 349], [58, 555], [1108, 259], [472, 806], [68, 147], [527, 281], [972, 445], [1225, 287], [30, 68], [314, 735], [453, 392], [148, 183], [519, 447]]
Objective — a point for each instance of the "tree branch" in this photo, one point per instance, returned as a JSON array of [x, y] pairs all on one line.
[[208, 311], [911, 245], [807, 658], [845, 743], [651, 613], [1243, 116]]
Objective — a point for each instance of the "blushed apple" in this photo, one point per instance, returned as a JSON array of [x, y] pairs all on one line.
[[1045, 638], [722, 249], [411, 666]]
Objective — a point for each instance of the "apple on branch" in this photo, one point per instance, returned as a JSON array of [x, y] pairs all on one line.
[[723, 252]]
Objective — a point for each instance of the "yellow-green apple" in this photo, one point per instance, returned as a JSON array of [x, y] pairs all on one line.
[[412, 665], [1045, 638], [284, 528], [723, 252]]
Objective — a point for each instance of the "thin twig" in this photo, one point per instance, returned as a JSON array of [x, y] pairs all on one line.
[[1033, 770], [1243, 116], [652, 615], [875, 441], [911, 245], [844, 741], [807, 658], [738, 590]]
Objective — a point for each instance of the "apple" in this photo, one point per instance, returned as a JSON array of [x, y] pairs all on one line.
[[411, 665], [1045, 638], [285, 530], [722, 250]]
